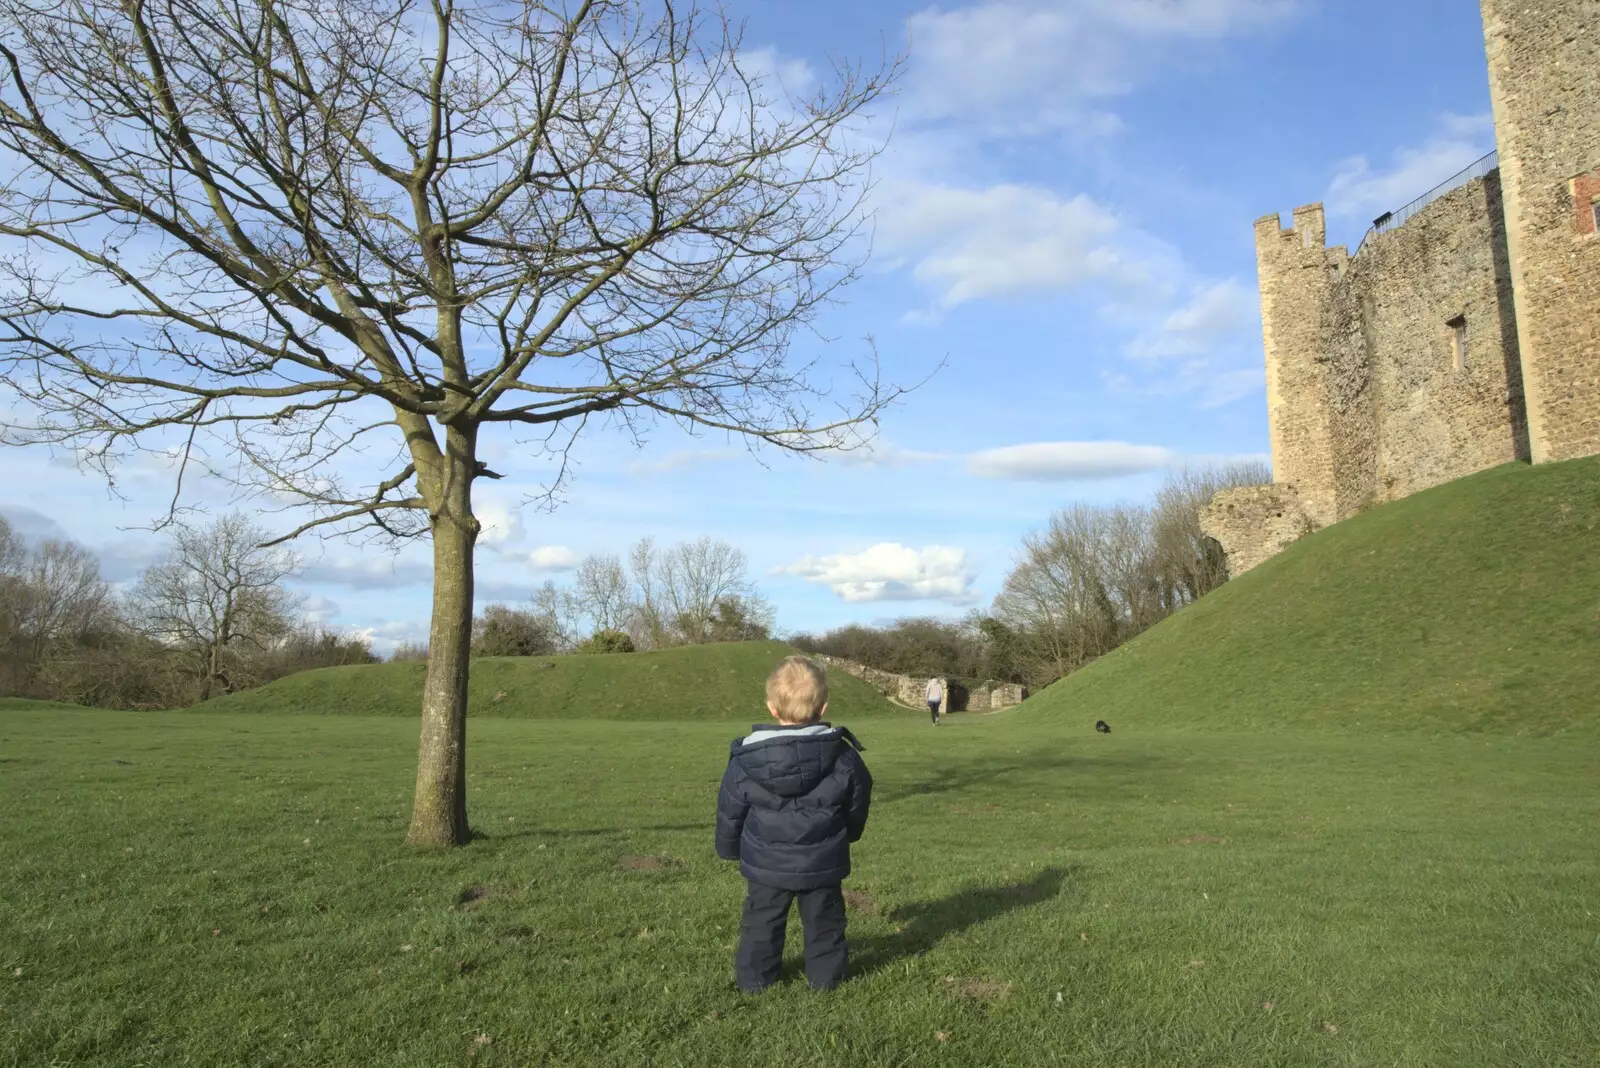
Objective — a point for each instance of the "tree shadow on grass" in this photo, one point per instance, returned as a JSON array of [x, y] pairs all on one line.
[[924, 924], [1103, 774]]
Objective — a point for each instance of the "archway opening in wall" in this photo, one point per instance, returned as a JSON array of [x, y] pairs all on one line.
[[1212, 556]]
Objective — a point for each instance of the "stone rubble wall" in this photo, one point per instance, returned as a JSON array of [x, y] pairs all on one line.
[[1253, 523], [908, 691]]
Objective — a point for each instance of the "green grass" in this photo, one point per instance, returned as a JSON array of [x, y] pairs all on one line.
[[697, 682], [205, 889], [1471, 607], [9, 703], [1348, 816]]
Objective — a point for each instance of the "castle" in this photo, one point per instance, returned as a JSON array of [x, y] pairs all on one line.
[[1464, 332]]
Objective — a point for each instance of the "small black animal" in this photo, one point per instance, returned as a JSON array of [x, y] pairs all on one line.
[[1102, 726]]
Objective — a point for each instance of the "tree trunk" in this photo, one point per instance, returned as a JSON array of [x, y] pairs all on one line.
[[439, 813]]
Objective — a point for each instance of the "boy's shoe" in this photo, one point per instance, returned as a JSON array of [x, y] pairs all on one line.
[[751, 989]]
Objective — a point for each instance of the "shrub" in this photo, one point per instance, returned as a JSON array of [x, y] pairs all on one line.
[[607, 641]]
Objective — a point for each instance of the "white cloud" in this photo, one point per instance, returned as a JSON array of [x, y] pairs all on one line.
[[32, 526], [883, 454], [1033, 64], [1458, 142], [1219, 313], [553, 558], [1068, 461], [500, 523], [889, 571], [379, 571], [969, 244], [678, 461], [386, 636], [319, 610]]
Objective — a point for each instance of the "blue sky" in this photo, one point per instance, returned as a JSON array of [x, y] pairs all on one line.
[[1063, 220]]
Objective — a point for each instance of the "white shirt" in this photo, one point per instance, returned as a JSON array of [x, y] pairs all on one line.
[[934, 692]]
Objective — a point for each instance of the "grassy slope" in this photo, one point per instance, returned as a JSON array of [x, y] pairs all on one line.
[[719, 682], [9, 703], [222, 890], [1474, 606]]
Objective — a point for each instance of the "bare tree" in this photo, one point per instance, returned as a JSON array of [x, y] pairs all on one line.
[[646, 625], [63, 597], [694, 577], [601, 592], [555, 608], [217, 598], [13, 558], [1191, 564], [265, 234]]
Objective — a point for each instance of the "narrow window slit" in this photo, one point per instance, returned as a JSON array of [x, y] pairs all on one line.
[[1458, 342]]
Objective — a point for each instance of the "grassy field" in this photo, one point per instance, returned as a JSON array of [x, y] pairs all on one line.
[[209, 889], [1348, 815], [699, 682], [1471, 607]]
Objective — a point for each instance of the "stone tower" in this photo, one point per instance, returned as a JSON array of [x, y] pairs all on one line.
[[1544, 81], [1298, 274]]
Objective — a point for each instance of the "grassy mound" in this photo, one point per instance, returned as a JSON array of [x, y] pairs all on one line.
[[709, 682], [1471, 607]]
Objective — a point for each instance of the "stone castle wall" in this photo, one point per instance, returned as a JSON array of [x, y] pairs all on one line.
[[1410, 411], [1371, 393], [1544, 82]]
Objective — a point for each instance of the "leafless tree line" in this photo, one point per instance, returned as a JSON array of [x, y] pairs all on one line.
[[1095, 577], [690, 593], [211, 617]]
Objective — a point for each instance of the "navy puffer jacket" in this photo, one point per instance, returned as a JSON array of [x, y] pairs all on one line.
[[792, 801]]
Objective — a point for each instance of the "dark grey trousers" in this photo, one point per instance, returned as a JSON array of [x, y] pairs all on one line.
[[761, 930]]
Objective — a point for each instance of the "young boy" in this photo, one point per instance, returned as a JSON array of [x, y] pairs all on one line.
[[793, 799]]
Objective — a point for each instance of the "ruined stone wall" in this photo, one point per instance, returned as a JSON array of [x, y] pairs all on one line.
[[1416, 412], [911, 692], [1253, 523], [1544, 82]]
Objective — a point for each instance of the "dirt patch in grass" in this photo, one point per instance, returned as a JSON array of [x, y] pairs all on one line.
[[471, 896], [1201, 839], [860, 901], [647, 863], [968, 989]]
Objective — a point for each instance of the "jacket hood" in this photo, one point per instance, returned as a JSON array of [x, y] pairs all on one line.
[[791, 761]]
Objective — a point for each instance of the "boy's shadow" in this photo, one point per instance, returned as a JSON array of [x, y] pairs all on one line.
[[923, 924]]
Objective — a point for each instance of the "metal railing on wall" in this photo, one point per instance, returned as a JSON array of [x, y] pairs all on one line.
[[1390, 220]]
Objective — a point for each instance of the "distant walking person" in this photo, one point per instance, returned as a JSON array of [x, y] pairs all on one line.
[[935, 699]]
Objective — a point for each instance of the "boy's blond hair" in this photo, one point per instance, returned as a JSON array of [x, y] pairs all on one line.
[[797, 690]]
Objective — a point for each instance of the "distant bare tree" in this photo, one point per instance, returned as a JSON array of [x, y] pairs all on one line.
[[694, 577], [408, 651], [601, 592], [555, 608], [263, 235], [217, 599], [1191, 565], [63, 596], [13, 559], [646, 624]]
